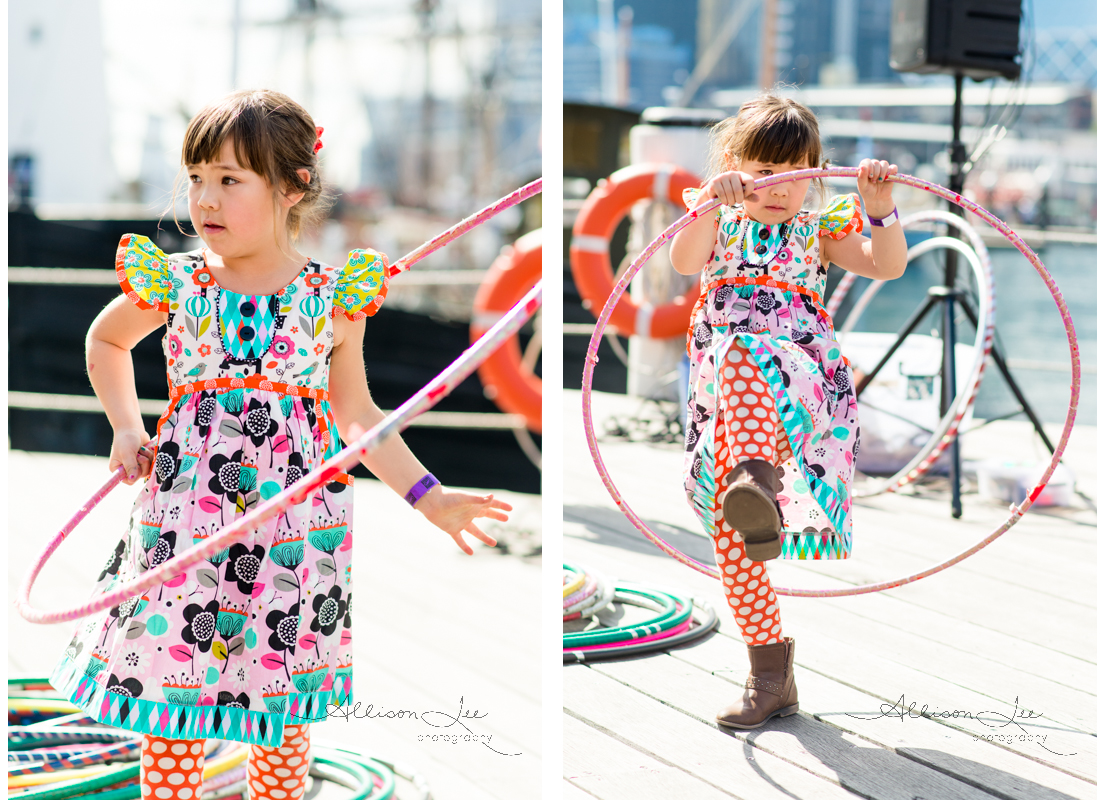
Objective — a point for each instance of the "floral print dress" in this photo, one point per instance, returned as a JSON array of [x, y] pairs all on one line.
[[259, 635], [763, 285]]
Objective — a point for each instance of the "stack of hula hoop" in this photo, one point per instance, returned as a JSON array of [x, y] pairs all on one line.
[[55, 751], [676, 620]]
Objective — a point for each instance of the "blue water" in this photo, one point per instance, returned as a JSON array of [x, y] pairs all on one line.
[[1028, 325]]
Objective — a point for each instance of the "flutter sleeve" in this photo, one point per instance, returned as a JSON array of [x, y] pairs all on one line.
[[690, 196], [842, 216], [362, 285], [144, 273]]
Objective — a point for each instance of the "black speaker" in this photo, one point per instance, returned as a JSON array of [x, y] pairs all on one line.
[[979, 38]]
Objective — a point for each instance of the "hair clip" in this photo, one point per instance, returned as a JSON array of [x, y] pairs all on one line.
[[318, 146]]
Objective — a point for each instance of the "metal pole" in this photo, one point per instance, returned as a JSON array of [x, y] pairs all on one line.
[[947, 373]]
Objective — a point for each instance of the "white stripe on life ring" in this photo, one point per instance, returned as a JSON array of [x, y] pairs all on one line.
[[587, 243], [644, 319], [661, 181], [486, 319]]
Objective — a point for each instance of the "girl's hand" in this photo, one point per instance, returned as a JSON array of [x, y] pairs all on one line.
[[876, 191], [732, 188], [454, 512], [128, 450]]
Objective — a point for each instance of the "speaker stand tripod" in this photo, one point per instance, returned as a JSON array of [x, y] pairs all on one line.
[[948, 295]]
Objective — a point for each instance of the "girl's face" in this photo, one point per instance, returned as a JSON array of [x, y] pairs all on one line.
[[778, 203], [233, 208]]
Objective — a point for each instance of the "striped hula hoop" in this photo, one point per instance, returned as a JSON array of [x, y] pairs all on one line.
[[1015, 512], [438, 388], [947, 429]]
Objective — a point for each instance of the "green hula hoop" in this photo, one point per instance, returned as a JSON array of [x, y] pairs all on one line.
[[668, 618]]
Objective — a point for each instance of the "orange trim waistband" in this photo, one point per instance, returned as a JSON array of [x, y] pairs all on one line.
[[755, 280], [251, 382], [764, 280]]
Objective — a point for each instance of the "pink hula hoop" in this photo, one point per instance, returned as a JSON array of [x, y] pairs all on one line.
[[947, 429], [1015, 513], [468, 224], [438, 388]]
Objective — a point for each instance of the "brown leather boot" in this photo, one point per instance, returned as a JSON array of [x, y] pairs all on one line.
[[750, 508], [769, 690]]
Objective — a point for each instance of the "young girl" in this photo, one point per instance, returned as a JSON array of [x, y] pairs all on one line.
[[772, 431], [265, 364]]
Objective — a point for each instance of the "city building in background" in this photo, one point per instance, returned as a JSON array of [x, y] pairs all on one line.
[[1034, 138]]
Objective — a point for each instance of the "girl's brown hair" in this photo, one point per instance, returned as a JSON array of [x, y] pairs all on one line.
[[272, 136], [768, 128]]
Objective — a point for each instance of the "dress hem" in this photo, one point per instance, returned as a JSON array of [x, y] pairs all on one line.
[[189, 721]]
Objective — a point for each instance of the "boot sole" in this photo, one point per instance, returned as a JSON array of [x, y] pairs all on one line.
[[752, 513], [781, 712]]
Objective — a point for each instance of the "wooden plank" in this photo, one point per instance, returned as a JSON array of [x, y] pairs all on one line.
[[714, 756], [412, 648], [639, 560], [861, 767], [922, 739], [606, 768], [570, 791], [887, 681]]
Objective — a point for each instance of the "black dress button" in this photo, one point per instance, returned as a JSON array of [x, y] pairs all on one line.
[[247, 309], [246, 333], [761, 249], [765, 233]]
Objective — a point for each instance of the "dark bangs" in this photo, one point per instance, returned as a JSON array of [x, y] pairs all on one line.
[[244, 124], [782, 136]]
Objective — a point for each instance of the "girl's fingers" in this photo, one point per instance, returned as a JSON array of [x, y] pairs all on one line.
[[484, 537], [462, 543], [502, 505], [491, 514]]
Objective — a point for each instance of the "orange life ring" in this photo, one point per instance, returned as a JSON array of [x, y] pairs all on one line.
[[515, 388], [590, 256]]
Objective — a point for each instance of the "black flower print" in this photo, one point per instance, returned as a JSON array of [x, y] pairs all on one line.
[[842, 381], [703, 335], [114, 561], [296, 468], [227, 699], [329, 609], [204, 417], [258, 424], [227, 474], [347, 613], [166, 467], [803, 338], [130, 687], [163, 550], [310, 407], [201, 624], [765, 301], [691, 438], [244, 566], [284, 627], [722, 295]]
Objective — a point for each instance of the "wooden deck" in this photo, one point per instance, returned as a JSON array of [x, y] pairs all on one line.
[[434, 627], [1012, 628]]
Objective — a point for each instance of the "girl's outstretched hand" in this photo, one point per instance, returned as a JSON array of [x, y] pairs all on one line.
[[876, 191], [453, 511], [128, 450]]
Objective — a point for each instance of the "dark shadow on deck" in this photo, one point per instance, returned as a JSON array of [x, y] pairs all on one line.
[[610, 527], [863, 770]]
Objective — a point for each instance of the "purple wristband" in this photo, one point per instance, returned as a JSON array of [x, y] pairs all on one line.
[[421, 488], [886, 221]]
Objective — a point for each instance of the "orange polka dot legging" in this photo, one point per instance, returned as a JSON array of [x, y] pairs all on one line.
[[746, 427], [171, 769]]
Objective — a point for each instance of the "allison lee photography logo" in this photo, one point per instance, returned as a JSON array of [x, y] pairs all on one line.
[[448, 728], [1001, 727]]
